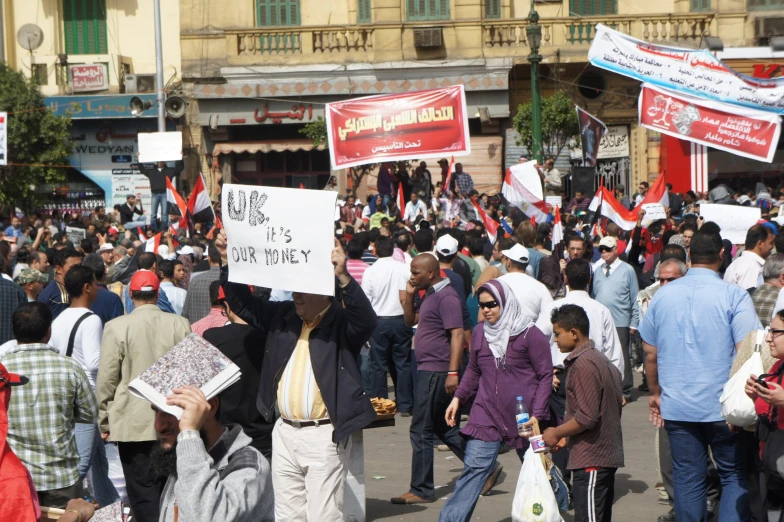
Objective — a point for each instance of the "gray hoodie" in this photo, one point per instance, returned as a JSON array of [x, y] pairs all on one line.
[[231, 482]]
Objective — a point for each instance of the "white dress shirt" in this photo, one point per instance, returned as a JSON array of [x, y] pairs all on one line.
[[382, 282], [532, 295], [601, 264], [746, 271], [602, 331], [175, 295], [414, 210]]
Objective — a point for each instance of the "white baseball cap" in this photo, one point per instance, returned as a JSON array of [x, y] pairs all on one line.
[[105, 247], [186, 250], [517, 253], [608, 242], [446, 245]]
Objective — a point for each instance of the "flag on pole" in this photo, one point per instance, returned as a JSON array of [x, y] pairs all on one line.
[[558, 236], [608, 206], [175, 199], [490, 225], [591, 131], [152, 244], [199, 204], [517, 194], [445, 188]]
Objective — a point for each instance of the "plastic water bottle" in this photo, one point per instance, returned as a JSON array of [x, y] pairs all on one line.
[[521, 414]]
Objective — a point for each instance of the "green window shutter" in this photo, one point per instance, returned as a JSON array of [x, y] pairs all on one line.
[[700, 5], [428, 10], [84, 22], [766, 4], [593, 7], [272, 13], [492, 8], [363, 12]]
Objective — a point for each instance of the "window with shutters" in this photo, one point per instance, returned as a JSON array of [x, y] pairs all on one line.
[[700, 5], [85, 26], [492, 8], [363, 12], [277, 12], [593, 7], [427, 9], [766, 4]]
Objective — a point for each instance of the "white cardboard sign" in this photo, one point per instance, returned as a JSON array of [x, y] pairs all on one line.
[[160, 146], [554, 201], [653, 212], [734, 220], [280, 238]]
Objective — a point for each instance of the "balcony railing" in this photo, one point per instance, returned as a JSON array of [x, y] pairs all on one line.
[[492, 38]]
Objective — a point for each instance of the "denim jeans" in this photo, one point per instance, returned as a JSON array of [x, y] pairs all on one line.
[[93, 463], [480, 461], [159, 200], [427, 422], [390, 348], [689, 443], [363, 363], [133, 225]]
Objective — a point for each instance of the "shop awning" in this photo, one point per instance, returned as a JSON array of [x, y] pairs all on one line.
[[253, 147]]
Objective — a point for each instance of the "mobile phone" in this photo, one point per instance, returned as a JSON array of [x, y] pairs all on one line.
[[761, 382]]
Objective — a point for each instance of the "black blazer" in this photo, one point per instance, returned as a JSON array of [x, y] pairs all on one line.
[[335, 344]]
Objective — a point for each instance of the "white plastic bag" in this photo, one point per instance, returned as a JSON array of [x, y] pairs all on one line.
[[736, 407], [534, 500]]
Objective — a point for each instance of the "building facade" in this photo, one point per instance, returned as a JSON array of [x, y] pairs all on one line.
[[90, 58]]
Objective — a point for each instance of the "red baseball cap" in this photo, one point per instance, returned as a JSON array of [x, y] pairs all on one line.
[[144, 281], [11, 379], [113, 230]]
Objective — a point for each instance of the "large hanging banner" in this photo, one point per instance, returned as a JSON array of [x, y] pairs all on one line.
[[423, 124], [687, 71], [272, 243], [744, 132]]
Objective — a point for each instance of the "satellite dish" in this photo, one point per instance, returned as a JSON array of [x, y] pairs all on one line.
[[30, 37]]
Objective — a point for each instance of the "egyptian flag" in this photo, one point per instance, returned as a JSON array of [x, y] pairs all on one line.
[[199, 204], [177, 204], [152, 244], [445, 188], [605, 204], [597, 215], [656, 194], [518, 195], [490, 225], [591, 131], [558, 236]]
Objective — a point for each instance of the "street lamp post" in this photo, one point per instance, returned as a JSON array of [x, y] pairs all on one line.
[[534, 33], [159, 66]]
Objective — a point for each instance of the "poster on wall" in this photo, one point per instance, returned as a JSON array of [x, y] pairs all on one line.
[[413, 125], [745, 132], [129, 181], [686, 71]]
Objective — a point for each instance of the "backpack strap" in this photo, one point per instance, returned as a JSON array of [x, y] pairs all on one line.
[[72, 338]]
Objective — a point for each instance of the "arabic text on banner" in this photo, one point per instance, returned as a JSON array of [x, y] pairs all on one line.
[[415, 125], [734, 220], [695, 72], [744, 132], [160, 146], [273, 244]]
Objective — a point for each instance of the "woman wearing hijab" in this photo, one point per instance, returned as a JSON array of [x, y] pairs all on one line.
[[510, 357]]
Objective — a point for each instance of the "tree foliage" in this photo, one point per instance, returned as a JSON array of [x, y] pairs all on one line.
[[36, 139], [559, 124]]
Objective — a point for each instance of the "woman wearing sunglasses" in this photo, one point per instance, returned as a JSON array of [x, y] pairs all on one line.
[[510, 357], [769, 402]]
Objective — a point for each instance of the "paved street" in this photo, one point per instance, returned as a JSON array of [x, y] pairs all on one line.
[[388, 455]]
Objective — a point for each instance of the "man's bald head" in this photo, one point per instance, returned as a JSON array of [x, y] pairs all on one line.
[[425, 271]]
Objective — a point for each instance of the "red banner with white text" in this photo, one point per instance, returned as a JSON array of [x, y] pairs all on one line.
[[415, 125], [742, 131]]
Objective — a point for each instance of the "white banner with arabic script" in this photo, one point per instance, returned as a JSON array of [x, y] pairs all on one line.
[[688, 71]]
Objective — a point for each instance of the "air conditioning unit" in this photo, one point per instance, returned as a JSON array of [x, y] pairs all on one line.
[[766, 28], [139, 83], [428, 37]]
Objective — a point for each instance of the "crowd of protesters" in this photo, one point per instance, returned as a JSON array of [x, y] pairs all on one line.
[[463, 324]]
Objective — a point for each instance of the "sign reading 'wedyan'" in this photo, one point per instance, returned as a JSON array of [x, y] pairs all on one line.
[[280, 238], [423, 124]]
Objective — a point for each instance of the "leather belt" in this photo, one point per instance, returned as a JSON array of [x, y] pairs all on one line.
[[305, 424]]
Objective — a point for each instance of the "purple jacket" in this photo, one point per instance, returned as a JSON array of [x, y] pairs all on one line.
[[384, 184], [528, 372]]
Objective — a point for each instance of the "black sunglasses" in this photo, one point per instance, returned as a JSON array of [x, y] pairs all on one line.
[[775, 332], [663, 280], [605, 249], [489, 304]]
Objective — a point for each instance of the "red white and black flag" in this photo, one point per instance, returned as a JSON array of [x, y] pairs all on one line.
[[591, 131], [199, 204]]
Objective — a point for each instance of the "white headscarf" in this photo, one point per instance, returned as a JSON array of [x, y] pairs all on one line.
[[511, 323]]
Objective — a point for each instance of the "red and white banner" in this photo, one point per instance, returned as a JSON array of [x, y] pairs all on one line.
[[745, 132], [490, 225], [423, 124], [519, 188], [612, 209]]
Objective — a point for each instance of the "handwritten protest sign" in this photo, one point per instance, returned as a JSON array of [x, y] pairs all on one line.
[[734, 220], [554, 201], [653, 212], [280, 238], [160, 146]]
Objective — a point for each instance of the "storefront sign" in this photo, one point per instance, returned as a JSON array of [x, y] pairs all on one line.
[[615, 142], [695, 72], [92, 77], [745, 132], [417, 125], [99, 106]]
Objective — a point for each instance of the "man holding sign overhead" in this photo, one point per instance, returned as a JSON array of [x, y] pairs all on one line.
[[310, 375]]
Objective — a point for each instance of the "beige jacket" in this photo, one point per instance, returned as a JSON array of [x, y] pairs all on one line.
[[131, 344]]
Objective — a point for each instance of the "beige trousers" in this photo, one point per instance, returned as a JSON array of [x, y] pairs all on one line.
[[308, 473]]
